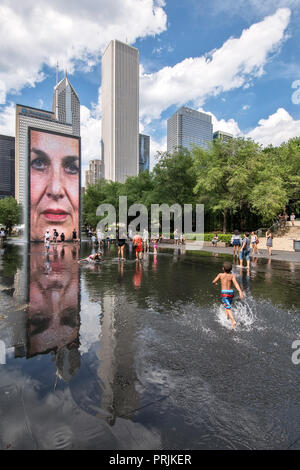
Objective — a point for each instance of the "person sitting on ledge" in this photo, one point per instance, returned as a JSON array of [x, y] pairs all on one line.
[[215, 240]]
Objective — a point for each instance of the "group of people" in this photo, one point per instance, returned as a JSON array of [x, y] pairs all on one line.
[[242, 246], [56, 237]]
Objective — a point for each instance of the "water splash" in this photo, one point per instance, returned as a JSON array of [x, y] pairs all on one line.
[[243, 312]]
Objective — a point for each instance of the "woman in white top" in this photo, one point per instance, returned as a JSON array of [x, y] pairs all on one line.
[[236, 242], [254, 243]]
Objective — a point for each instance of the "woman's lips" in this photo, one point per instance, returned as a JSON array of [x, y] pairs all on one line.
[[55, 215]]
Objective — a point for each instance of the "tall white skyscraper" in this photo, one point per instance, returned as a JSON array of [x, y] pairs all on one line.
[[66, 105], [120, 111]]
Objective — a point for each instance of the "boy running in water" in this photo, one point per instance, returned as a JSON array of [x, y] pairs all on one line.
[[227, 278]]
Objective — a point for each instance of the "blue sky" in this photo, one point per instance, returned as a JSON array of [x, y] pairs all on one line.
[[236, 60]]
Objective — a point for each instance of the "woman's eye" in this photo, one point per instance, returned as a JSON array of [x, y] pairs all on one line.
[[38, 164], [71, 169]]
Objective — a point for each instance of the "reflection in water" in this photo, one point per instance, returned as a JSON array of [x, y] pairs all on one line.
[[138, 274], [53, 318]]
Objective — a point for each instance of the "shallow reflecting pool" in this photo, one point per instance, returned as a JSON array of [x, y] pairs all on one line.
[[140, 355]]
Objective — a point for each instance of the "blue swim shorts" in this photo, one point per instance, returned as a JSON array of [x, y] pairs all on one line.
[[244, 254], [227, 297]]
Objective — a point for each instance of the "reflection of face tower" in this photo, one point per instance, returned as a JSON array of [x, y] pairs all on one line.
[[54, 184], [53, 319]]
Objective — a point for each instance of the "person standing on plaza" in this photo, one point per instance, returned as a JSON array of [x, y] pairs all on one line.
[[99, 237], [146, 239], [74, 236], [93, 239], [254, 243], [245, 251], [47, 236], [121, 245], [176, 237], [137, 243], [236, 242], [292, 218], [269, 241]]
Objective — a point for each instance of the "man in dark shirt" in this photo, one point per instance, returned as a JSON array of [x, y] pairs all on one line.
[[245, 250]]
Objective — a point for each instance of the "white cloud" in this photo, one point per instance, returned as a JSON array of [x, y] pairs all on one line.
[[8, 120], [36, 33], [246, 8], [90, 136], [277, 128], [245, 107], [230, 126], [231, 66]]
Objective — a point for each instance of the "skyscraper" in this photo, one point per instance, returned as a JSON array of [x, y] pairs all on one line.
[[66, 105], [144, 152], [187, 127], [224, 136], [120, 111], [94, 174], [7, 165]]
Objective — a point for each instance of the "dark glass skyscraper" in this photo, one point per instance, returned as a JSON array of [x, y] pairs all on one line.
[[144, 152], [7, 165], [188, 127]]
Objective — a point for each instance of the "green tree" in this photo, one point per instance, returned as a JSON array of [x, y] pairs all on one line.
[[10, 212], [224, 175]]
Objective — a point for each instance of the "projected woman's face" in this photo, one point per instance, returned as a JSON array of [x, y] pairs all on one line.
[[54, 184]]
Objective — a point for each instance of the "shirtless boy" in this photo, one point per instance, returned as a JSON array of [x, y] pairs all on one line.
[[227, 278]]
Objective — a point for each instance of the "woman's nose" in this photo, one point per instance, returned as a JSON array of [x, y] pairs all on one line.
[[55, 187]]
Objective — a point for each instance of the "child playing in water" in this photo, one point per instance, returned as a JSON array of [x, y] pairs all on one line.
[[96, 257], [227, 278]]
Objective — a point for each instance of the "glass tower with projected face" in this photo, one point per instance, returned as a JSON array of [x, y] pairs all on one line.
[[120, 111]]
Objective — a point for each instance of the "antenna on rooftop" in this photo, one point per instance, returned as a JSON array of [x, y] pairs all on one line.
[[56, 72]]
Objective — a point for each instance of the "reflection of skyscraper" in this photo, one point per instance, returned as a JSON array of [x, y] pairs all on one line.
[[187, 127], [120, 111], [66, 105], [144, 152]]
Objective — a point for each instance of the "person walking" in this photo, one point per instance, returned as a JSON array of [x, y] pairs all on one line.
[[137, 243], [236, 242], [269, 241]]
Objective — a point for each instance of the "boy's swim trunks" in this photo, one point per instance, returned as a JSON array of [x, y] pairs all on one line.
[[227, 297]]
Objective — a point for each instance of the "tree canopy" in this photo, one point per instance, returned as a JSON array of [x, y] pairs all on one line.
[[235, 180], [10, 212]]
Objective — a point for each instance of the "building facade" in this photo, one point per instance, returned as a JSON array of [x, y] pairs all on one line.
[[188, 127], [7, 165], [94, 173], [224, 136], [66, 105], [120, 111], [144, 152]]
